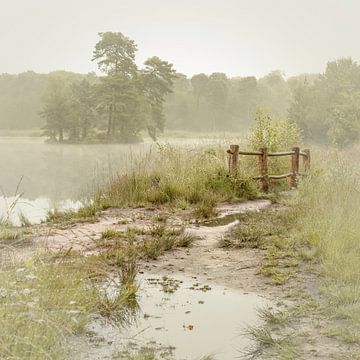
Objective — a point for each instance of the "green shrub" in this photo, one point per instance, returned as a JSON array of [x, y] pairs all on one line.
[[277, 134], [273, 132]]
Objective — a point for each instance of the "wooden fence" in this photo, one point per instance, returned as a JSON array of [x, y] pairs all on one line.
[[263, 154]]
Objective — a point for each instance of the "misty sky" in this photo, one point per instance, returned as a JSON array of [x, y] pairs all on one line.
[[238, 37]]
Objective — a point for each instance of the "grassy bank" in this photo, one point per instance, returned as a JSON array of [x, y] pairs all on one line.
[[179, 178], [312, 253], [330, 224], [43, 302]]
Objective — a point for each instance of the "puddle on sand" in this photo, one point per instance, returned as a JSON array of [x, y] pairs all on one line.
[[194, 318], [197, 318]]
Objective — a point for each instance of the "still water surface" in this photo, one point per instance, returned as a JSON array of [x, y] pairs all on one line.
[[193, 320]]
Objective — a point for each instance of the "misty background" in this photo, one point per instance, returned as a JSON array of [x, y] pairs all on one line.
[[217, 64], [291, 58], [237, 37]]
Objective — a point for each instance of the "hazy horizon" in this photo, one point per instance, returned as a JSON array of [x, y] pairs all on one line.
[[236, 37]]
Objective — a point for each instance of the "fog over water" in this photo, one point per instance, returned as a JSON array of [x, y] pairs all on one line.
[[48, 176]]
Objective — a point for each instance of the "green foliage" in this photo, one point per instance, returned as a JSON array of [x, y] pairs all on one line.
[[275, 133], [56, 109], [82, 108], [344, 120], [157, 78], [214, 102], [115, 107], [123, 250], [128, 100], [85, 213], [327, 109], [115, 54]]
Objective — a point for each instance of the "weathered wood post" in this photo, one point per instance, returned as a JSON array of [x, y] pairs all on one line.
[[306, 160], [263, 169], [234, 159], [294, 166]]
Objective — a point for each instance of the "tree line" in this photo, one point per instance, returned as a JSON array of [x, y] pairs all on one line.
[[218, 103], [126, 100], [114, 107], [327, 107]]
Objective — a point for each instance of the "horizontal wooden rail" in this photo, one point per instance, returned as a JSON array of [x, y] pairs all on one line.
[[263, 154], [278, 177], [273, 177], [244, 152], [250, 153], [280, 153], [284, 153]]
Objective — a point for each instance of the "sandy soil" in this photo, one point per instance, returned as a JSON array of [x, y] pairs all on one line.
[[234, 269]]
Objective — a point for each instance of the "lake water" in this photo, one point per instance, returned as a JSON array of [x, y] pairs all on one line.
[[36, 177]]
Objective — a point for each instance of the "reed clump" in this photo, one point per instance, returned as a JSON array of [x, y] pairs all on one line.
[[179, 178]]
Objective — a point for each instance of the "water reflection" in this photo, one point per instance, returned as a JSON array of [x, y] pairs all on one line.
[[60, 172], [182, 313]]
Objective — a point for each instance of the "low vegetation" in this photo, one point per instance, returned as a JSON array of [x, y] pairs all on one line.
[[179, 178], [330, 224], [312, 250], [137, 244], [303, 236], [44, 302], [86, 213], [14, 236], [259, 229]]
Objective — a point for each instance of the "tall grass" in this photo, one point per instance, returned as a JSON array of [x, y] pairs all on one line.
[[329, 220], [178, 177], [43, 303]]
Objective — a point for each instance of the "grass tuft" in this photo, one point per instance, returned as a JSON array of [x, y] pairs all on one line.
[[87, 213], [179, 178]]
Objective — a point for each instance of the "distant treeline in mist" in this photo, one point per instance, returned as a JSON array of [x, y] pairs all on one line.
[[126, 100], [325, 106]]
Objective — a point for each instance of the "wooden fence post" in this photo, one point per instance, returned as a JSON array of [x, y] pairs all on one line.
[[234, 159], [263, 169], [306, 160], [294, 167]]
